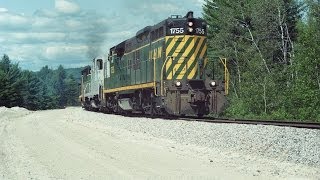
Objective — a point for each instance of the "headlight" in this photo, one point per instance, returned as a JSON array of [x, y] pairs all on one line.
[[212, 83], [190, 23], [178, 84], [190, 29]]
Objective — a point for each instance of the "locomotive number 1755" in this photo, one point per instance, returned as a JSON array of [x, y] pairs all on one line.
[[176, 30]]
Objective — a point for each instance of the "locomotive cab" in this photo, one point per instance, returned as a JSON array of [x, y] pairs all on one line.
[[185, 87], [85, 84], [92, 84]]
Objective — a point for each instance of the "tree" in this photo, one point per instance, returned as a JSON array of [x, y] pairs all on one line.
[[72, 91], [60, 86], [49, 101], [46, 89], [257, 37], [32, 97], [12, 83], [306, 90]]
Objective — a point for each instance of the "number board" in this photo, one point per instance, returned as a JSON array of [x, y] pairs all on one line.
[[178, 30], [200, 31], [181, 30]]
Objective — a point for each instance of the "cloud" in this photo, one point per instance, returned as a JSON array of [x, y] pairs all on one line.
[[2, 10], [32, 37], [11, 21], [59, 52], [69, 35], [46, 13], [49, 37], [156, 6], [156, 10], [66, 7], [35, 56]]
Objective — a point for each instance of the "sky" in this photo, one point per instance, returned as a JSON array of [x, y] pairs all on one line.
[[35, 33]]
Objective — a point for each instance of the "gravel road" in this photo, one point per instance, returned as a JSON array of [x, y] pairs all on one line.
[[75, 144]]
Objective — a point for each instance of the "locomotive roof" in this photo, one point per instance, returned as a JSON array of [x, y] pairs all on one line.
[[148, 29], [164, 23]]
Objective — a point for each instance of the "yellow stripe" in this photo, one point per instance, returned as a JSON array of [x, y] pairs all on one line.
[[194, 70], [205, 62], [183, 72], [189, 48], [170, 46], [168, 49], [203, 51], [185, 54], [180, 46], [134, 50], [169, 63], [154, 77], [176, 67], [192, 59], [158, 40], [173, 42], [198, 47], [133, 87]]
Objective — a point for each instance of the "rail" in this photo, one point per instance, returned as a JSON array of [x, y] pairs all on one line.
[[295, 124]]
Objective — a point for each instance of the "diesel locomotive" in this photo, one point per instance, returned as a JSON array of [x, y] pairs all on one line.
[[162, 70]]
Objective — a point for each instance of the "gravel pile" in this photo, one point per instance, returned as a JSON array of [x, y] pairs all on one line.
[[13, 112], [281, 143]]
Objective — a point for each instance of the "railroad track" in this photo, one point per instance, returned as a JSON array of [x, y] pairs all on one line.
[[296, 124]]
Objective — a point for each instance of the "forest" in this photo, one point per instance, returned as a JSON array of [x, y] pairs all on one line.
[[273, 53], [45, 89]]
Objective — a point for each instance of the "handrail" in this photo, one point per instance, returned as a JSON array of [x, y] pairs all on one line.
[[226, 75], [161, 78]]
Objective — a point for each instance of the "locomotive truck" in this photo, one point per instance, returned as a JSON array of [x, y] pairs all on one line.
[[162, 70]]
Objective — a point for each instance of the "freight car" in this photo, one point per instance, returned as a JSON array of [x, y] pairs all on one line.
[[162, 70]]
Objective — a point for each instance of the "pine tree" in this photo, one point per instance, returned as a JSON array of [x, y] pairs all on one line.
[[48, 101], [72, 91], [306, 94], [32, 98], [12, 83], [60, 87]]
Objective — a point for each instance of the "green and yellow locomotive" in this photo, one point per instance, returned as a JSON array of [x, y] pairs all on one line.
[[161, 70]]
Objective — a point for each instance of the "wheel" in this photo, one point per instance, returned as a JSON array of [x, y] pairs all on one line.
[[93, 106]]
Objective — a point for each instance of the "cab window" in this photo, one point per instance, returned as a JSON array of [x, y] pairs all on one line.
[[99, 64]]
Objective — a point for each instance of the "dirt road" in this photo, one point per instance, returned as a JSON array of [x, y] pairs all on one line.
[[67, 144]]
